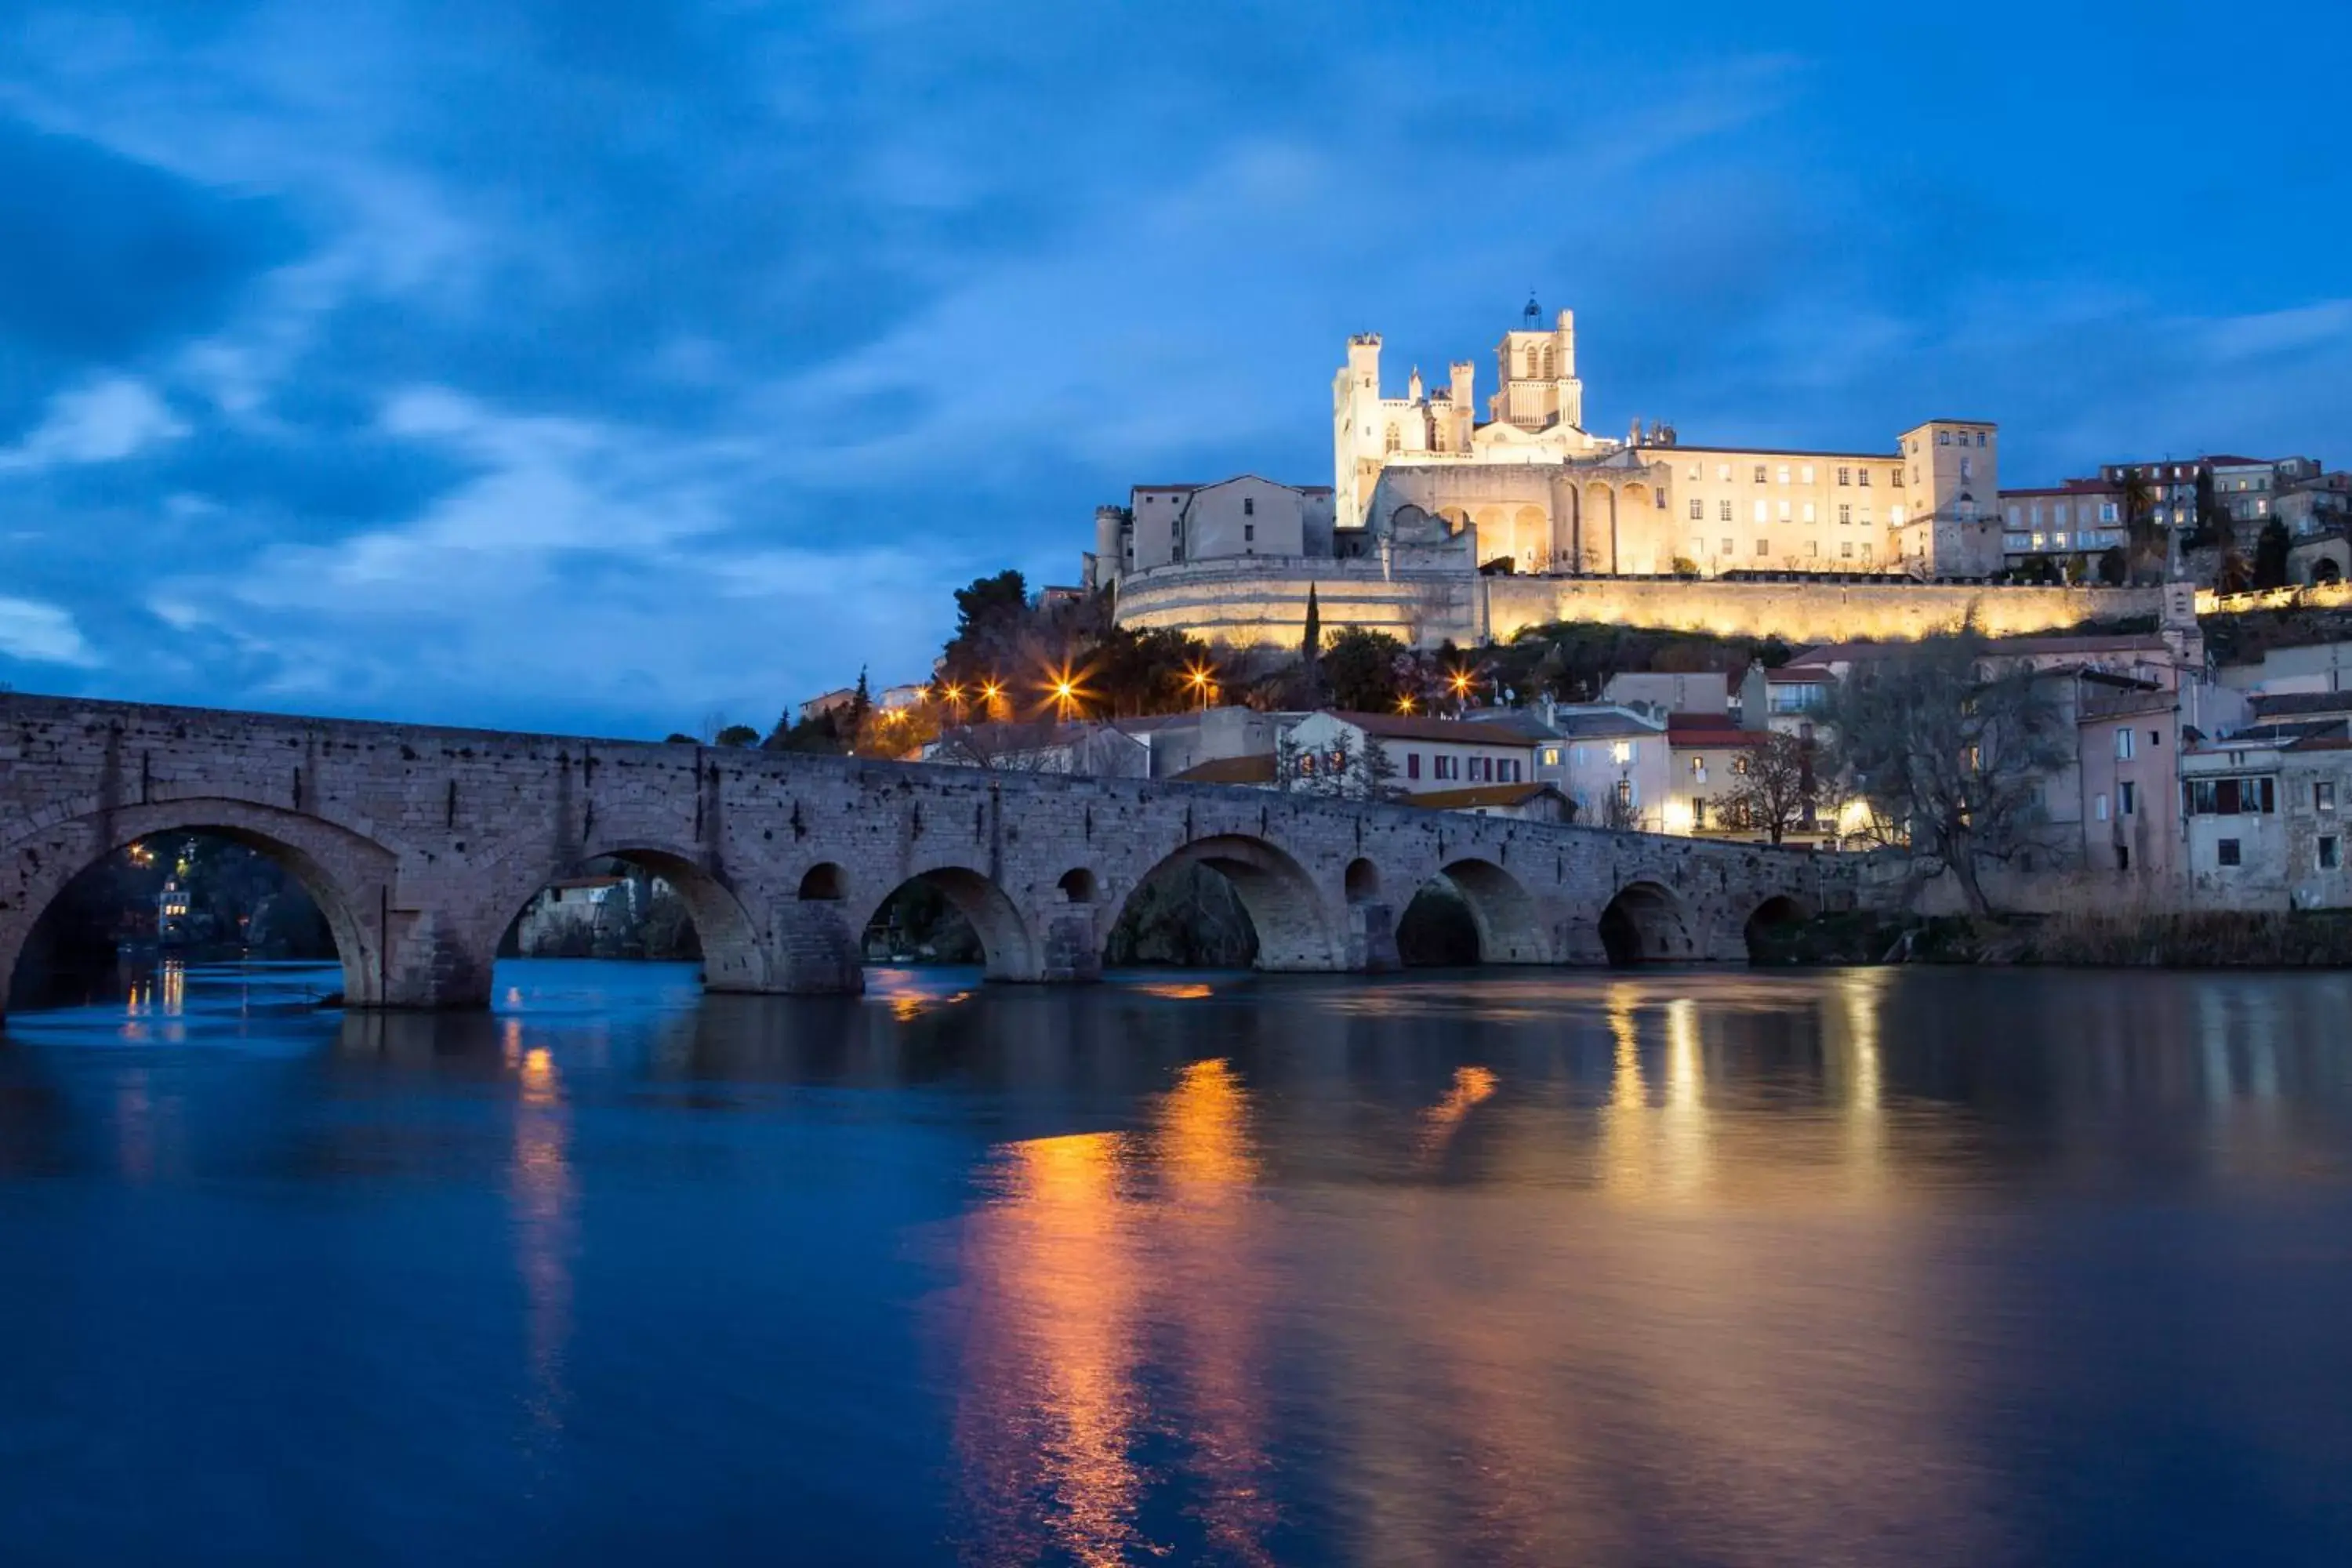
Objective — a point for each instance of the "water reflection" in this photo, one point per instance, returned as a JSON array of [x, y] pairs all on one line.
[[1527, 1268], [543, 1194]]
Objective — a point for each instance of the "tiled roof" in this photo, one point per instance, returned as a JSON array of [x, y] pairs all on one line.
[[1585, 726], [1480, 795], [1415, 727], [1255, 769], [2280, 704]]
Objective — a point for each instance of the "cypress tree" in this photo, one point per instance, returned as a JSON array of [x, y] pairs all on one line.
[[1310, 648]]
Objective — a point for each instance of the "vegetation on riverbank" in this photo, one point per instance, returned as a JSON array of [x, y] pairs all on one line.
[[2133, 938]]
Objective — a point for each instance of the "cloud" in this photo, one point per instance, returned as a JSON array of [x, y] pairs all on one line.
[[42, 633], [104, 257], [572, 363], [101, 421]]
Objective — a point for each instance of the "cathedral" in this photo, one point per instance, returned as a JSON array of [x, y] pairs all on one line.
[[1450, 516], [1527, 489]]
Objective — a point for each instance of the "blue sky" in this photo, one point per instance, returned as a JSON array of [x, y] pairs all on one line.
[[583, 365]]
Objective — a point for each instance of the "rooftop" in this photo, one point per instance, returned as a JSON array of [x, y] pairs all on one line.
[[1480, 795], [1256, 769], [1515, 730]]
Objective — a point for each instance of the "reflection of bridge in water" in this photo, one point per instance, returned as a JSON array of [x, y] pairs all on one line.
[[421, 845]]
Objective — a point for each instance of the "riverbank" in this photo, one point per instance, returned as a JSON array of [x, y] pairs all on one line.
[[2319, 939]]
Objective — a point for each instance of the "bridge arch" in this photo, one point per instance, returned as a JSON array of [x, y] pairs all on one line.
[[1646, 923], [348, 874], [1284, 907], [734, 956], [1008, 946], [1779, 909], [1509, 922]]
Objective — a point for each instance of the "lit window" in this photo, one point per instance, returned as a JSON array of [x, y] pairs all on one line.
[[1552, 756], [1622, 752], [1761, 514], [1895, 517]]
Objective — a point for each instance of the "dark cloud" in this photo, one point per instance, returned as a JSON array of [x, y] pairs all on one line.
[[103, 257]]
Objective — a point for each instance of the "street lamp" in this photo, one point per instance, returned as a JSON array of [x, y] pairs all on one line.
[[1200, 680], [1461, 683]]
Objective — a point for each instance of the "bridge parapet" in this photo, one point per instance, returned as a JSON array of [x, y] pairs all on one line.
[[422, 845]]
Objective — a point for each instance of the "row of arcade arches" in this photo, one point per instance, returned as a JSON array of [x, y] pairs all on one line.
[[1470, 910]]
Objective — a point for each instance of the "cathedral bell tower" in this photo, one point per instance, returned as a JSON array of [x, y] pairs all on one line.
[[1540, 388]]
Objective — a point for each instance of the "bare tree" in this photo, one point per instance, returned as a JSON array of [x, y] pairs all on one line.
[[1950, 750], [1777, 791]]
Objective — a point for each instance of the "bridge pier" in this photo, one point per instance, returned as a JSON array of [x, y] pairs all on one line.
[[816, 952], [1370, 941]]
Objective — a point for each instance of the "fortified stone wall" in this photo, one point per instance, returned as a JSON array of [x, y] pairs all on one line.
[[422, 845], [1802, 611], [1253, 604]]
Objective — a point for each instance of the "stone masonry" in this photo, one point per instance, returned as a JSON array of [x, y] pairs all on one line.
[[422, 845]]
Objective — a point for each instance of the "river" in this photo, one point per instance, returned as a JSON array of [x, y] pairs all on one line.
[[1548, 1267]]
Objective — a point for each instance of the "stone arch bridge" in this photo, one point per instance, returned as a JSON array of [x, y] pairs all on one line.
[[422, 845]]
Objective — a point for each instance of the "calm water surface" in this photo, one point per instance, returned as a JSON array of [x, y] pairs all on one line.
[[1943, 1268]]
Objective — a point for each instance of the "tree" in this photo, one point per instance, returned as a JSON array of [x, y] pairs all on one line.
[[2213, 523], [737, 735], [1777, 792], [1310, 646], [995, 629], [1949, 749], [1360, 669], [2113, 566], [2270, 556]]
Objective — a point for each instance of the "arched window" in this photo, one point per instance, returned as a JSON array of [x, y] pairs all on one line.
[[1395, 439]]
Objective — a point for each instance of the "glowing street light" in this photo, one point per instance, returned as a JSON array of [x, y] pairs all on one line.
[[1202, 680], [1405, 703]]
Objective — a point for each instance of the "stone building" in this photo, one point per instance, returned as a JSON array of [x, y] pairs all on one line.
[[1537, 492], [1244, 516], [2075, 516]]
